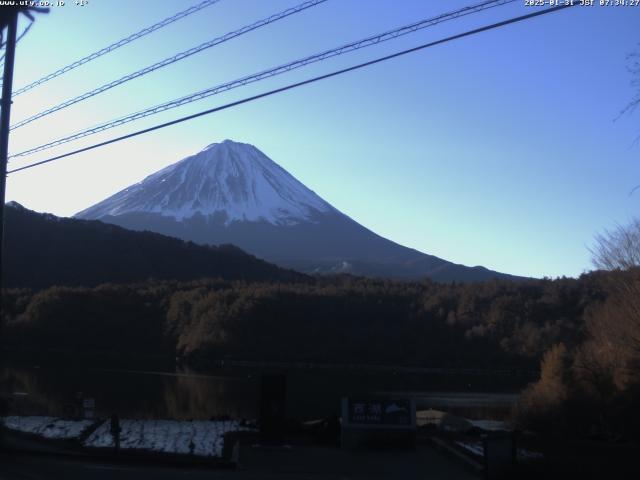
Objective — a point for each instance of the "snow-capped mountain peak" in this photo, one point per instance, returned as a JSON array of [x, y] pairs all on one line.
[[229, 180]]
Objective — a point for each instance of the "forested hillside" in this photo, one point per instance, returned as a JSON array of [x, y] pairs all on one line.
[[43, 250], [330, 319]]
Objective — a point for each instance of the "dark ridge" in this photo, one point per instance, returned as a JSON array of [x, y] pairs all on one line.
[[44, 250]]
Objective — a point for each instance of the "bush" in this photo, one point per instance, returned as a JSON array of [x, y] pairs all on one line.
[[542, 406]]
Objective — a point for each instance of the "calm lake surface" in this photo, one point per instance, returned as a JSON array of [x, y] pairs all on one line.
[[181, 393]]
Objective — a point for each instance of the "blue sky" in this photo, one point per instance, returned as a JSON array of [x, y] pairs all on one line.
[[499, 149]]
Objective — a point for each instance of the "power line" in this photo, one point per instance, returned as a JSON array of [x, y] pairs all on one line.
[[299, 84], [120, 43], [175, 58], [366, 42], [24, 32]]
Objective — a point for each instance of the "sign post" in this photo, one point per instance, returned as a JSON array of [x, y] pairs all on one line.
[[378, 421], [272, 408], [89, 406]]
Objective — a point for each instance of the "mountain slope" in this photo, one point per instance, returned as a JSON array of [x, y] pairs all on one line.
[[232, 193], [44, 250], [230, 181]]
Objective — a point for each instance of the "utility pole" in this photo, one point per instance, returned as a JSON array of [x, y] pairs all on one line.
[[9, 19], [5, 115]]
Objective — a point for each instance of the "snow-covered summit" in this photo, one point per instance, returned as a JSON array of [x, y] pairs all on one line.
[[231, 179]]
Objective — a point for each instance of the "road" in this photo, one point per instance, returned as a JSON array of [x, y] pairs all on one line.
[[313, 463]]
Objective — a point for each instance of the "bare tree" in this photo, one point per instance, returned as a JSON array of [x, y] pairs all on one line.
[[618, 249], [634, 69], [614, 327]]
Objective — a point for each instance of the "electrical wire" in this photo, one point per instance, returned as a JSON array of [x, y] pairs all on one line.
[[366, 42], [24, 32], [168, 61], [298, 84], [120, 43]]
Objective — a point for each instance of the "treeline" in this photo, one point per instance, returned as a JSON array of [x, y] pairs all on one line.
[[592, 388], [496, 324]]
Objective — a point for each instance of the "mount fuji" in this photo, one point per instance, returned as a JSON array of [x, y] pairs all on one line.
[[233, 193]]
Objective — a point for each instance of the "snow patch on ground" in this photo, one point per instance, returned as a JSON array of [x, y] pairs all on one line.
[[476, 447], [529, 455], [202, 438], [490, 425], [523, 454], [47, 427]]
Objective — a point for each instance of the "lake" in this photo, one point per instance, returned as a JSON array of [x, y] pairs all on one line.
[[46, 388]]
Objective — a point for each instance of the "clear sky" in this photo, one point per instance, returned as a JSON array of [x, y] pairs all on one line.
[[499, 149]]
